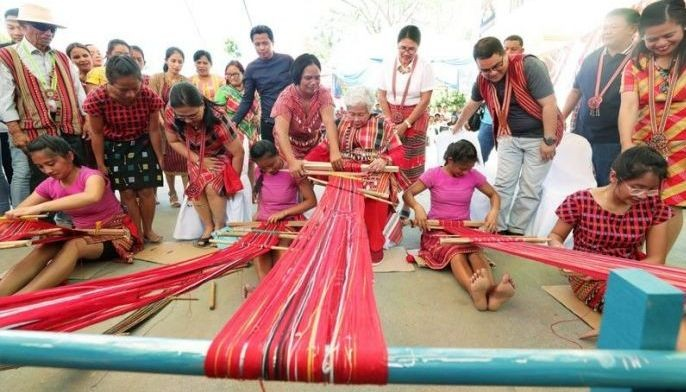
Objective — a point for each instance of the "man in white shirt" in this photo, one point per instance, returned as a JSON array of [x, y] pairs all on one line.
[[40, 90]]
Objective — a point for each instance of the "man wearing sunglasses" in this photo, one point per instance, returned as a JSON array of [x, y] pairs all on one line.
[[527, 126], [40, 92]]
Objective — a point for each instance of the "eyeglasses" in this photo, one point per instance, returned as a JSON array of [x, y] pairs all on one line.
[[43, 26], [493, 68], [233, 75], [407, 49], [187, 117], [641, 192]]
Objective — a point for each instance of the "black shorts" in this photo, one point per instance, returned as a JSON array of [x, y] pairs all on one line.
[[108, 252]]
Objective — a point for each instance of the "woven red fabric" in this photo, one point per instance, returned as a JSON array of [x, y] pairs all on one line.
[[590, 264], [72, 307], [313, 318]]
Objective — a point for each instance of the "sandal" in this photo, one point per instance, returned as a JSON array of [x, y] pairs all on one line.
[[202, 242], [174, 201]]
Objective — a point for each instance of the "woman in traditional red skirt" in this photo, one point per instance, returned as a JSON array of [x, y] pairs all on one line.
[[302, 114], [199, 130], [452, 186], [617, 219], [404, 95], [85, 195], [161, 83], [364, 138]]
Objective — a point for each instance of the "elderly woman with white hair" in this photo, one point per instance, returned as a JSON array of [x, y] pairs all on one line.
[[365, 138]]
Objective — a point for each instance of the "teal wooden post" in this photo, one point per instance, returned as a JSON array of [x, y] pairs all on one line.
[[641, 312]]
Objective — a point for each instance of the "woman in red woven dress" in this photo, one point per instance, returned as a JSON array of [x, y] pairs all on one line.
[[85, 195], [161, 83], [199, 130], [405, 92], [364, 138], [617, 219], [125, 136], [452, 186], [301, 112], [653, 92]]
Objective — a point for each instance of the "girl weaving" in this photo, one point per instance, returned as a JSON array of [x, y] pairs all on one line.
[[617, 219], [277, 194], [369, 139], [200, 131], [451, 187], [85, 195]]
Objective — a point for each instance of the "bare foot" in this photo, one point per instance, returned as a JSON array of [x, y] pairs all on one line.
[[478, 288], [153, 237], [502, 293]]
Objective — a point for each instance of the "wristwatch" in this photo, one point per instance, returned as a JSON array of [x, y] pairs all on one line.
[[549, 141]]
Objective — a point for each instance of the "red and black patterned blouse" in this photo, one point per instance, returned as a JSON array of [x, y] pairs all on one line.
[[123, 122], [599, 231]]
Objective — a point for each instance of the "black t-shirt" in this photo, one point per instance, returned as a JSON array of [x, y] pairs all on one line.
[[538, 82], [603, 128]]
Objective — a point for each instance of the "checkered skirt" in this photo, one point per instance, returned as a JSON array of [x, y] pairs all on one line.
[[132, 164]]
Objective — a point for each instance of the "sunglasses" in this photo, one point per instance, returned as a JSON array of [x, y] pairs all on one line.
[[43, 26]]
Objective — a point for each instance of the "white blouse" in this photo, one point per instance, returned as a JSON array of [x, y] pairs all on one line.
[[421, 82]]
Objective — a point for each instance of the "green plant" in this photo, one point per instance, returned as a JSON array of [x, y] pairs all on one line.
[[452, 100]]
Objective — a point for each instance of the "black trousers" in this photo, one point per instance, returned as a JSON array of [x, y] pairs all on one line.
[[267, 130]]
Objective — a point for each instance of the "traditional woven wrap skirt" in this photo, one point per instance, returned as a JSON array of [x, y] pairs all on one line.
[[591, 292], [414, 141], [437, 255]]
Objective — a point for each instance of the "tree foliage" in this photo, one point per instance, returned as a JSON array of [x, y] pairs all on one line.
[[231, 48]]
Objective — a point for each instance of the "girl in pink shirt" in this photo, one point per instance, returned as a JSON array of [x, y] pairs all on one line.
[[452, 186], [85, 195], [277, 194]]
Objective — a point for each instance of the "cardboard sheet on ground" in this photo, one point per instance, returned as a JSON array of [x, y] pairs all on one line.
[[172, 252], [564, 295], [394, 261]]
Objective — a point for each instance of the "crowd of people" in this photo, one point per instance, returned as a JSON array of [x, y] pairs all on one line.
[[81, 127]]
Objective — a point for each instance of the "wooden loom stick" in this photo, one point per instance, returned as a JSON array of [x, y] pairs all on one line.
[[14, 244], [213, 241], [281, 234], [213, 295], [326, 166], [435, 224], [25, 217], [96, 232], [364, 192], [467, 240], [258, 224], [348, 175]]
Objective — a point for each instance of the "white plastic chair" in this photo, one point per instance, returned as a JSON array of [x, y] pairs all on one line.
[[571, 171]]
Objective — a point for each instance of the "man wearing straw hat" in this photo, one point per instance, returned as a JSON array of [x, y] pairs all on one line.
[[40, 91]]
